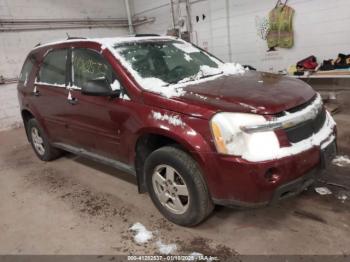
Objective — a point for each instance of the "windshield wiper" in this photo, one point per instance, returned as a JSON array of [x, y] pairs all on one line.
[[206, 76], [195, 77]]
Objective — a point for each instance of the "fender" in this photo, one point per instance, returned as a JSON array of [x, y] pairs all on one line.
[[181, 133], [189, 138], [37, 116]]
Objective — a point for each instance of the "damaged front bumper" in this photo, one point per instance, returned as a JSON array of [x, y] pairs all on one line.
[[298, 185], [253, 184]]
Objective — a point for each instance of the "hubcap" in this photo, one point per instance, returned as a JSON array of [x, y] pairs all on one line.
[[170, 189], [38, 142]]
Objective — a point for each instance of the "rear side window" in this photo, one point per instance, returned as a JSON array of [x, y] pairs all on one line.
[[26, 70], [53, 68]]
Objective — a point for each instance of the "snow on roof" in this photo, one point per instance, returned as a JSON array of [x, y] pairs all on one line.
[[151, 83]]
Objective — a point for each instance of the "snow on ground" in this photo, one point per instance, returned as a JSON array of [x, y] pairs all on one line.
[[165, 249], [343, 196], [342, 161], [142, 234], [174, 120], [323, 191]]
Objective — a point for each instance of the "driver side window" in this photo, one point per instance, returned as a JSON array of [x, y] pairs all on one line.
[[89, 65]]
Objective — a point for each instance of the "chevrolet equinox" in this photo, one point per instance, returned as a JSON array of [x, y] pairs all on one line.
[[193, 130]]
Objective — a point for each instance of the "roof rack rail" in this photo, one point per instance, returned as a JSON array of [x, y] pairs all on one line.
[[143, 35], [75, 37]]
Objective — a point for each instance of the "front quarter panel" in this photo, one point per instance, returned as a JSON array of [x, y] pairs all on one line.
[[190, 132]]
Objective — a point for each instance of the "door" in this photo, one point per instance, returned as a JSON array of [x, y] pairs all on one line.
[[94, 121], [50, 94]]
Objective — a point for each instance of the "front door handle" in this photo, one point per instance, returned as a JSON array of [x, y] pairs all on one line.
[[72, 101]]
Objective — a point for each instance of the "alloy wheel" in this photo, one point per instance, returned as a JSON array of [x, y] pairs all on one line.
[[38, 141], [171, 189]]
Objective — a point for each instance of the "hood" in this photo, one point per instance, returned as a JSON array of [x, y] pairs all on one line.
[[254, 92]]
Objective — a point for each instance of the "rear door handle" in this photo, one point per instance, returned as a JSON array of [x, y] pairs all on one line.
[[36, 92]]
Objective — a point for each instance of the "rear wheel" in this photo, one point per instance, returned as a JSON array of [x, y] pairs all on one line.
[[176, 186], [40, 142]]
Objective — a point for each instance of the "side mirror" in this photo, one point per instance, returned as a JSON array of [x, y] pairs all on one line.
[[98, 87]]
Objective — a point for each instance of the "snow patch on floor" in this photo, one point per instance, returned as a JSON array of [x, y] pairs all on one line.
[[142, 234], [323, 191], [341, 161], [174, 120], [342, 196], [165, 249]]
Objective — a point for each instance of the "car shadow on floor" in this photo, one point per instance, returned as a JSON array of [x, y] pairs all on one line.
[[103, 168]]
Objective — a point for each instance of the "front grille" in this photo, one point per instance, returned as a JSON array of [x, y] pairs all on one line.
[[306, 129]]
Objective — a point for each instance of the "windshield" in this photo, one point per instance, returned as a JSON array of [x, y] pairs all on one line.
[[169, 60]]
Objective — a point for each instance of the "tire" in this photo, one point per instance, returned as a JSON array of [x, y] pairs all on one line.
[[183, 198], [36, 135]]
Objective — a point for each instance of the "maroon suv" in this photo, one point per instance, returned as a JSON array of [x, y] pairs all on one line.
[[193, 130]]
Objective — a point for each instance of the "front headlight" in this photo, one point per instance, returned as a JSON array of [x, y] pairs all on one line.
[[230, 139]]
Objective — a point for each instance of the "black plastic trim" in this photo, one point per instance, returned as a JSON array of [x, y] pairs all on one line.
[[98, 158]]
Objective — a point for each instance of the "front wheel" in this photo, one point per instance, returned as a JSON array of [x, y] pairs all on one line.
[[177, 187]]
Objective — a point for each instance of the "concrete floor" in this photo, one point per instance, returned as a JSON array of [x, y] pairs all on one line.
[[74, 206]]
